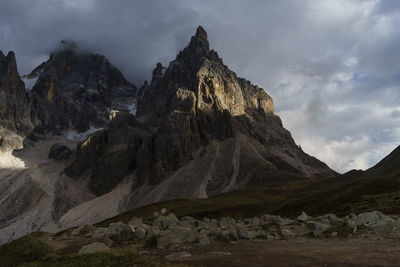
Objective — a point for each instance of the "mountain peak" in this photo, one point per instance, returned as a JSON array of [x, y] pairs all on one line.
[[9, 62], [8, 67], [67, 45], [201, 33], [77, 88]]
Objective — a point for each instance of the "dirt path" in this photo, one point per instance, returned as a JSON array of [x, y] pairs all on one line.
[[299, 252]]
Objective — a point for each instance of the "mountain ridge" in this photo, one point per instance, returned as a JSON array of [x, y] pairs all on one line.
[[199, 131], [196, 105]]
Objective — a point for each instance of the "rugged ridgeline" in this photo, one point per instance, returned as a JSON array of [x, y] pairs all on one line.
[[77, 89], [17, 118], [73, 90], [199, 131]]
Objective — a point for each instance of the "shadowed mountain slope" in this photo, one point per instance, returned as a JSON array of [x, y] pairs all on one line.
[[377, 188]]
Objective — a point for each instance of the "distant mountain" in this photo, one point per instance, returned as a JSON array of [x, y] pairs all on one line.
[[77, 89]]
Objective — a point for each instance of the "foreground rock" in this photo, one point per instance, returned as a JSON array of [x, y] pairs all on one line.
[[93, 248], [169, 232]]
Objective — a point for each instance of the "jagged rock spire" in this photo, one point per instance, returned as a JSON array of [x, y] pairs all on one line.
[[17, 119], [10, 80], [201, 33]]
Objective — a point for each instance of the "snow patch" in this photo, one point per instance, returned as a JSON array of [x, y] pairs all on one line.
[[76, 136], [132, 108], [9, 161], [29, 82]]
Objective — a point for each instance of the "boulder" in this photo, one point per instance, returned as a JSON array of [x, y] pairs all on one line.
[[256, 221], [155, 215], [245, 233], [203, 239], [226, 222], [228, 234], [120, 232], [139, 232], [329, 218], [303, 217], [373, 219], [153, 230], [189, 219], [274, 219], [163, 211], [176, 236], [93, 248], [60, 152], [135, 222], [163, 222], [318, 228], [293, 231], [334, 234], [351, 222]]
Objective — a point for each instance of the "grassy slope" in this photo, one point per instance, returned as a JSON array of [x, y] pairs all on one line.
[[34, 250], [356, 191]]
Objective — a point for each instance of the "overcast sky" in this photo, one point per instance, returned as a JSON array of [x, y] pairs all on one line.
[[332, 67]]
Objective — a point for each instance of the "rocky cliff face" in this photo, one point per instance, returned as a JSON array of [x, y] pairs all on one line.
[[77, 89], [200, 130], [17, 119]]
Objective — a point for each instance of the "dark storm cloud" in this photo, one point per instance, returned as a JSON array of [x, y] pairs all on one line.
[[331, 66], [134, 35]]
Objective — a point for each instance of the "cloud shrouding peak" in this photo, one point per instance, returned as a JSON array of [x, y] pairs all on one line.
[[331, 66]]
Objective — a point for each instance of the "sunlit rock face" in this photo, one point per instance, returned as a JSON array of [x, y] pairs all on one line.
[[77, 89], [199, 130], [215, 88], [17, 119]]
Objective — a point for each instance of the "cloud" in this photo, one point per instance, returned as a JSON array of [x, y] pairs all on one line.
[[331, 66]]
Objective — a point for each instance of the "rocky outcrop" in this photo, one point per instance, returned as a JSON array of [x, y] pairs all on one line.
[[109, 156], [17, 119], [77, 89], [60, 152], [199, 130], [167, 232]]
